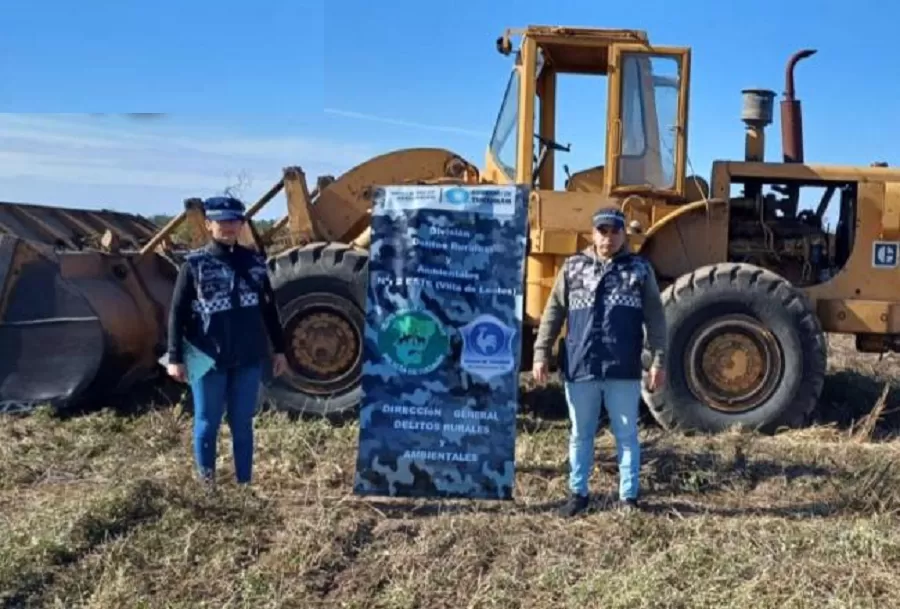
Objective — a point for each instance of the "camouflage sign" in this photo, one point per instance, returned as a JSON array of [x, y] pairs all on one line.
[[443, 332]]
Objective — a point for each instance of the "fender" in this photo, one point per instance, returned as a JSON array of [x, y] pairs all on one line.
[[694, 235]]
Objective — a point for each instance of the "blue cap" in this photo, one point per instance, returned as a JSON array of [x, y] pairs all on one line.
[[609, 216], [223, 208]]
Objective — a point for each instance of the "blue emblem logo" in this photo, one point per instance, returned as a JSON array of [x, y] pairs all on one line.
[[456, 195], [487, 347]]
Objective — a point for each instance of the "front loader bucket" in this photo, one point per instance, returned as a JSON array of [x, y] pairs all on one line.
[[51, 338], [77, 325]]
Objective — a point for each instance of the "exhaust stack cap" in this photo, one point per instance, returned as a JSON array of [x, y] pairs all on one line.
[[758, 107]]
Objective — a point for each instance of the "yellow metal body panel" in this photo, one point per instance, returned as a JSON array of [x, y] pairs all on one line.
[[890, 216]]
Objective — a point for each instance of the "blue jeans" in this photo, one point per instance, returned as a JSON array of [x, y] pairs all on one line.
[[234, 391], [621, 398]]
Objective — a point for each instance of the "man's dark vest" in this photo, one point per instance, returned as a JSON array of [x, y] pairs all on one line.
[[605, 333]]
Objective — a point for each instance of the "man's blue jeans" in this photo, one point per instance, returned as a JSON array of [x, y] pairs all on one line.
[[621, 398], [234, 391]]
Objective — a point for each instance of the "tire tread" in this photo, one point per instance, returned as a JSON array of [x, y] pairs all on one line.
[[335, 267], [749, 277]]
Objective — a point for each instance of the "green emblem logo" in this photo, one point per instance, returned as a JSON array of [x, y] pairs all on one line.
[[413, 341]]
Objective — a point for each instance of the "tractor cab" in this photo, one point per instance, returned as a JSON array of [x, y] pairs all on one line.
[[646, 113]]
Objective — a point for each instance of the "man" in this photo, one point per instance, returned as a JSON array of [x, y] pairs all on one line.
[[605, 294], [223, 307]]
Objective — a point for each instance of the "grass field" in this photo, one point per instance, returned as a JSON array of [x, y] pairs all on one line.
[[99, 510]]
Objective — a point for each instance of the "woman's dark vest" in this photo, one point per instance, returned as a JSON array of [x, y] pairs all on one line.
[[227, 322]]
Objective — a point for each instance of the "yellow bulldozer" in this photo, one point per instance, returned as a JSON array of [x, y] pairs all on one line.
[[751, 281]]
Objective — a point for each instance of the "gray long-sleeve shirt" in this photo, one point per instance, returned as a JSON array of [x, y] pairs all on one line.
[[556, 309]]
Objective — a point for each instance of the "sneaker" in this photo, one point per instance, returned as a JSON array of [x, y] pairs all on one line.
[[574, 506]]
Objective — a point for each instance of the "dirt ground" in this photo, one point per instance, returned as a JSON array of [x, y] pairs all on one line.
[[99, 510]]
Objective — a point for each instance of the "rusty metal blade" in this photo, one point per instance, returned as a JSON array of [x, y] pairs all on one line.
[[73, 229], [77, 326], [52, 340]]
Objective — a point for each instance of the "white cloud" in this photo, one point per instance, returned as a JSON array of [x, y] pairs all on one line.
[[324, 152], [405, 123], [68, 152], [103, 171]]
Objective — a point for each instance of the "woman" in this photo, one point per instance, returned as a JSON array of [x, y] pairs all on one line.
[[222, 318]]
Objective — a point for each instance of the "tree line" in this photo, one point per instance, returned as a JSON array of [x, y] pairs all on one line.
[[181, 233]]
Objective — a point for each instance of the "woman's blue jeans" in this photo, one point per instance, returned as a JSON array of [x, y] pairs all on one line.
[[621, 398], [231, 391]]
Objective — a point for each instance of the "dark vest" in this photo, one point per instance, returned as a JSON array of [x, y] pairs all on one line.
[[227, 321], [605, 333]]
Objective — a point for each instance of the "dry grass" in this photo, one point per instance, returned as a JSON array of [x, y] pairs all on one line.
[[100, 511]]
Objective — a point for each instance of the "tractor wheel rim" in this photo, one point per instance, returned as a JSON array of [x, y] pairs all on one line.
[[733, 364], [324, 349]]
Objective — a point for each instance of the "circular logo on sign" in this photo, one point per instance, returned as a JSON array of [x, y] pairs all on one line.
[[414, 342], [456, 195]]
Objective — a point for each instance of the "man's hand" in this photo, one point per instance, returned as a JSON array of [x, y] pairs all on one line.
[[177, 372], [540, 372], [279, 364], [656, 378]]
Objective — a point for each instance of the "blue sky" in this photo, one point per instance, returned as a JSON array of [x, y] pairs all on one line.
[[254, 87]]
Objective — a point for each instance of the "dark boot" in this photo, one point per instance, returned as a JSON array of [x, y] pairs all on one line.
[[574, 506]]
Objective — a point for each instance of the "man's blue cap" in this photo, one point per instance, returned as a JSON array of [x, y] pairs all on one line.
[[609, 216], [223, 208]]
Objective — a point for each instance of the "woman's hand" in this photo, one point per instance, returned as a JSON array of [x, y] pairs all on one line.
[[656, 378], [279, 365], [177, 372]]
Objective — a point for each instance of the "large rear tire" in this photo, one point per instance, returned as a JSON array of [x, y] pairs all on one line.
[[744, 349], [321, 293]]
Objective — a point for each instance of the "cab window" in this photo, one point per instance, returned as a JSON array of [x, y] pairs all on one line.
[[504, 140], [650, 92]]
